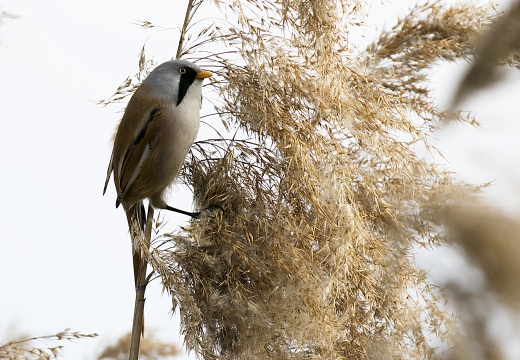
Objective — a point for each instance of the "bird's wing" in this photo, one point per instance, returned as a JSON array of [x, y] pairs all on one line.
[[136, 154]]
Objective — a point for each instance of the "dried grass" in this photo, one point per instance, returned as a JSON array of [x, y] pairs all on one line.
[[323, 196], [498, 46], [151, 348], [489, 239], [490, 242], [25, 349]]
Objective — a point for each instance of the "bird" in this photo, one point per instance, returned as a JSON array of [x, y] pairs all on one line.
[[158, 127]]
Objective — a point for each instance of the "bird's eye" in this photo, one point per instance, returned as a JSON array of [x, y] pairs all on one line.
[[182, 71]]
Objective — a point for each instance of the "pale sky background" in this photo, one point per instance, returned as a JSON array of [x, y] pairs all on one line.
[[64, 250]]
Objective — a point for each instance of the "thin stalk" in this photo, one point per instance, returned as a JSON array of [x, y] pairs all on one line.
[[142, 281], [184, 28]]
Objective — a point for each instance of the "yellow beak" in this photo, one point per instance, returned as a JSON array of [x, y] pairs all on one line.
[[203, 74]]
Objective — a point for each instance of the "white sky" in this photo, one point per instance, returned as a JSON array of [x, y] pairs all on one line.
[[64, 250]]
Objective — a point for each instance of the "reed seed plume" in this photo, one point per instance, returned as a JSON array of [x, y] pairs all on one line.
[[40, 347], [151, 348], [499, 45], [490, 242]]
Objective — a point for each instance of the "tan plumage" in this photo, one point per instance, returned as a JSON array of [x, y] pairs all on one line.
[[157, 129]]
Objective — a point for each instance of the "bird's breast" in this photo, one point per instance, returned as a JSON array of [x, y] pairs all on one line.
[[186, 121]]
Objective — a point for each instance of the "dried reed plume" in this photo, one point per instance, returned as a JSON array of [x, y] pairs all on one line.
[[491, 243], [490, 239], [25, 350], [151, 348], [500, 45], [323, 195]]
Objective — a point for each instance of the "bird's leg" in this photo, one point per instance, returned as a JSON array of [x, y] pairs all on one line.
[[195, 215]]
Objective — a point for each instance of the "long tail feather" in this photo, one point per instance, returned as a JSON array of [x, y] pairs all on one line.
[[136, 217]]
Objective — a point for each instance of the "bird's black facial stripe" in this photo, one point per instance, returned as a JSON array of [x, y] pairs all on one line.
[[185, 82]]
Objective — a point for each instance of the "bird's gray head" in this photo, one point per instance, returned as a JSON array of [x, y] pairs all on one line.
[[172, 79]]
